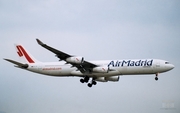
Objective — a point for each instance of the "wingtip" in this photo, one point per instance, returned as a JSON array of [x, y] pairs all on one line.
[[5, 59], [39, 42]]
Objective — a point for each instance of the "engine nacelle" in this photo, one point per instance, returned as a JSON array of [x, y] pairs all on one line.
[[106, 79], [101, 79], [101, 69], [112, 78], [75, 60]]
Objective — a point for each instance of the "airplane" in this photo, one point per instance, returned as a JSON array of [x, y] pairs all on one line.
[[97, 71]]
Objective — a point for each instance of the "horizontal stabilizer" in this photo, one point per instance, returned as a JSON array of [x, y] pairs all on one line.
[[17, 63]]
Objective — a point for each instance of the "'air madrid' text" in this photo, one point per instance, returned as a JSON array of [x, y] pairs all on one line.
[[130, 63]]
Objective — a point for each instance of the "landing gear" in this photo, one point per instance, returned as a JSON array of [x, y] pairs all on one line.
[[93, 82], [86, 80], [82, 80], [156, 78], [89, 85]]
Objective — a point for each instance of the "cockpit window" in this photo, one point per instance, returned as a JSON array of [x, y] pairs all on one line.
[[166, 62]]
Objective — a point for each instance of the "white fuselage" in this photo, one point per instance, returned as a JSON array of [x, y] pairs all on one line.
[[117, 67], [102, 71]]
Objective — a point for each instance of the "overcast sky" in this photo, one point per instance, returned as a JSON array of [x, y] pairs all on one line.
[[97, 30]]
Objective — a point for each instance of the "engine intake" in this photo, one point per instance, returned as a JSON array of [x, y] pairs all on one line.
[[75, 60]]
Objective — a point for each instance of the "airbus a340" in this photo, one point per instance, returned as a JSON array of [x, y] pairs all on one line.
[[102, 71]]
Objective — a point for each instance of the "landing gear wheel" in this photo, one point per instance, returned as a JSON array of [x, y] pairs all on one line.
[[94, 82], [82, 80], [156, 78], [89, 85], [86, 79]]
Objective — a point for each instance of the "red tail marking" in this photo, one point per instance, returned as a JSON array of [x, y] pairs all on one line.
[[26, 55], [19, 52]]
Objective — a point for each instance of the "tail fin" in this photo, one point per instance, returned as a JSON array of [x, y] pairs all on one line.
[[24, 55]]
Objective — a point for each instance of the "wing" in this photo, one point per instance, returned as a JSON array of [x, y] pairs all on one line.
[[84, 67]]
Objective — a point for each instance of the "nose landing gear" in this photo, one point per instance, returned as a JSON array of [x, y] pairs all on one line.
[[156, 78]]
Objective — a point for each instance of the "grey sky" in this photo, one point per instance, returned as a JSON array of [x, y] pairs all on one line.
[[116, 29]]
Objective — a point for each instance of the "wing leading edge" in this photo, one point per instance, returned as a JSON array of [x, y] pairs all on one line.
[[84, 67]]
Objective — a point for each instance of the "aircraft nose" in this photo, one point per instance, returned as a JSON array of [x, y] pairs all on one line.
[[171, 66]]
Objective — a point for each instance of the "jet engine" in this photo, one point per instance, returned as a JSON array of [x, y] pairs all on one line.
[[106, 79], [75, 60], [101, 79], [112, 78], [101, 69]]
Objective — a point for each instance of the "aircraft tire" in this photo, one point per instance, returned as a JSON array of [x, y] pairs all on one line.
[[89, 85], [86, 79], [156, 78], [82, 80], [94, 82]]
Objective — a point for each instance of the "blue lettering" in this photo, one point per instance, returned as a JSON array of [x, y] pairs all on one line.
[[130, 63], [149, 63], [111, 63], [138, 63], [143, 63], [125, 63], [117, 64]]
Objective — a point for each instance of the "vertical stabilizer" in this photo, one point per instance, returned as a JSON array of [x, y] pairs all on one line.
[[24, 55]]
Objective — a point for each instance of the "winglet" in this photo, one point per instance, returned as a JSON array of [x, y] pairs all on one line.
[[39, 42]]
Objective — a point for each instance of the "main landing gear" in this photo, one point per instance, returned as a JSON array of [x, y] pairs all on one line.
[[156, 78], [93, 82], [86, 80]]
